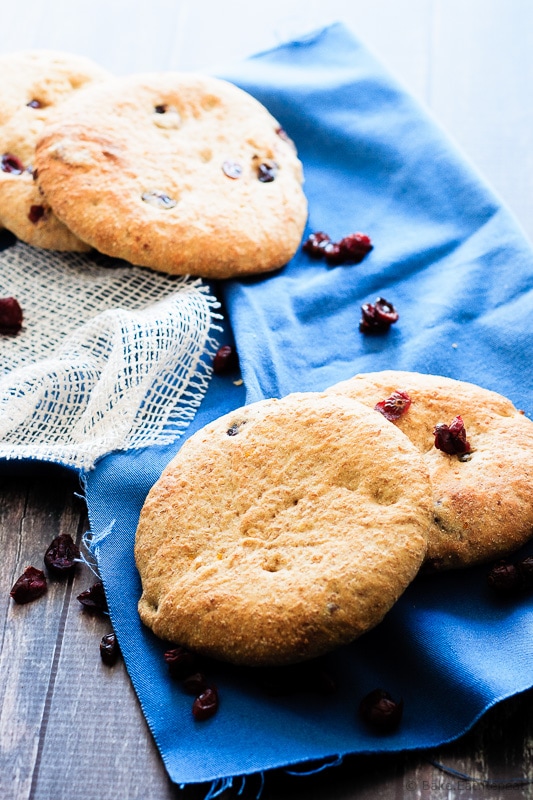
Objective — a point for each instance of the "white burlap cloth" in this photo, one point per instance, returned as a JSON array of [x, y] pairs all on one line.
[[110, 356]]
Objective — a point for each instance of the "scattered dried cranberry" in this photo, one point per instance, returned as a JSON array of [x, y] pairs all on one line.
[[377, 317], [451, 439], [507, 579], [30, 586], [350, 249], [355, 247], [35, 214], [34, 104], [93, 599], [206, 704], [380, 711], [266, 173], [232, 169], [333, 253], [195, 684], [158, 199], [61, 555], [315, 243], [225, 360], [11, 163], [526, 568], [109, 649], [180, 661], [394, 406], [10, 315]]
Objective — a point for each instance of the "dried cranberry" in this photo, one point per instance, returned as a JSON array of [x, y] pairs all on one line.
[[525, 566], [10, 315], [315, 243], [232, 169], [380, 711], [158, 199], [62, 554], [109, 649], [377, 317], [30, 586], [195, 684], [93, 599], [180, 661], [34, 104], [333, 253], [394, 406], [35, 214], [11, 163], [206, 704], [355, 247], [266, 173], [451, 439], [505, 578], [225, 360], [349, 250]]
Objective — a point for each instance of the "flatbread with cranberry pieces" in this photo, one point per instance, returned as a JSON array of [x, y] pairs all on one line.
[[33, 84], [282, 530], [179, 172], [482, 482]]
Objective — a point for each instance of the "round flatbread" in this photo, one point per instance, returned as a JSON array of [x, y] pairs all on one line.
[[32, 85], [179, 172], [483, 500], [282, 530]]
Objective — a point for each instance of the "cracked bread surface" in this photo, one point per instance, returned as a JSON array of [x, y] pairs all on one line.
[[482, 505], [33, 83], [180, 172], [282, 530]]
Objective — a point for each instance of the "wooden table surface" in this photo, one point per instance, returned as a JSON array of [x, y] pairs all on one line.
[[70, 727]]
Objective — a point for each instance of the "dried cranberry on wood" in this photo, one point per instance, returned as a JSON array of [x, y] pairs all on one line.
[[109, 649], [10, 315], [451, 439], [31, 585], [394, 406], [93, 599], [62, 554]]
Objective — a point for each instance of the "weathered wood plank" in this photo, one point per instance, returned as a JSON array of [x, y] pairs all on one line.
[[31, 515]]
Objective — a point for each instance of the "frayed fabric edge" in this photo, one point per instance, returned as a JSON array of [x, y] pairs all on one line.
[[220, 785]]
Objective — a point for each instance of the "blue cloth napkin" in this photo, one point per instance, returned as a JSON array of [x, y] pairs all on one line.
[[458, 269]]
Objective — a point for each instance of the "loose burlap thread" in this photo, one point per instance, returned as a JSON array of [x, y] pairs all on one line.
[[110, 356]]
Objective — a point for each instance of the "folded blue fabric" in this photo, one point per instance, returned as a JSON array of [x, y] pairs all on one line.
[[460, 272]]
